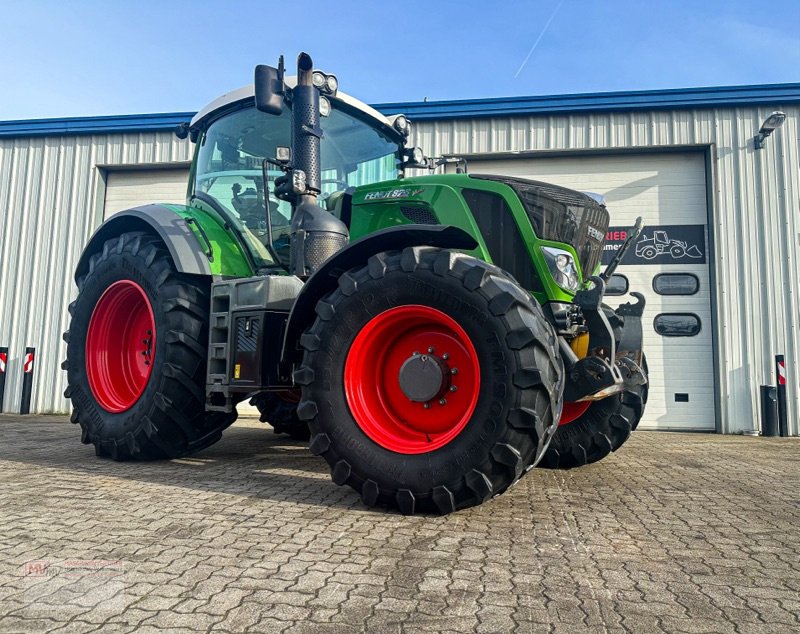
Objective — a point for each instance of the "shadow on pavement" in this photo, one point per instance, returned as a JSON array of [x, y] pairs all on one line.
[[249, 461]]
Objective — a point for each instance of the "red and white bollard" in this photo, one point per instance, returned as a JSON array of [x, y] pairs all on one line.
[[3, 364], [27, 380], [780, 370]]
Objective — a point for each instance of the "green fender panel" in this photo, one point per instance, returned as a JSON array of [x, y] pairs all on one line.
[[195, 238]]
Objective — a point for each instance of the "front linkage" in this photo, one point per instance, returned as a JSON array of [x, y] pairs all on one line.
[[614, 360]]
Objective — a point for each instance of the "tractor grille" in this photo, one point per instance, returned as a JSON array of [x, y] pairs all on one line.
[[562, 215]]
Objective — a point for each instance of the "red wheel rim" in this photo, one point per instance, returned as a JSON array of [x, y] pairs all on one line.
[[120, 346], [573, 411], [379, 405]]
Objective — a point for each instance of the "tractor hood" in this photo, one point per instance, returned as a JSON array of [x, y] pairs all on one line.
[[562, 215]]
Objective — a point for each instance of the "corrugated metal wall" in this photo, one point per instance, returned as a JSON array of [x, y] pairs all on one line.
[[51, 199], [51, 196], [755, 222]]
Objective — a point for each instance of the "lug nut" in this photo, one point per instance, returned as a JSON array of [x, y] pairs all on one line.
[[445, 356], [453, 388], [427, 406], [431, 350], [442, 401], [454, 371]]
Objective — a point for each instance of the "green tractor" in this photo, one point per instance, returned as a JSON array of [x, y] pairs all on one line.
[[434, 337]]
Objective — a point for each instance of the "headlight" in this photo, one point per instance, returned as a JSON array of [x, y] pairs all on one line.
[[562, 268]]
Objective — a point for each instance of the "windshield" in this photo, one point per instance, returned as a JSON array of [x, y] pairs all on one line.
[[229, 168]]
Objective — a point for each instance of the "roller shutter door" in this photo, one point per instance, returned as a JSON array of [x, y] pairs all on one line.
[[129, 188], [669, 191]]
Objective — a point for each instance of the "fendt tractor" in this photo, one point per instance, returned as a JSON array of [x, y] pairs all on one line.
[[434, 337]]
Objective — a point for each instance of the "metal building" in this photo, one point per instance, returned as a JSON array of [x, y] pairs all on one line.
[[718, 262]]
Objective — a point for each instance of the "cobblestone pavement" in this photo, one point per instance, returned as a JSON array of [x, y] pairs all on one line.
[[676, 533]]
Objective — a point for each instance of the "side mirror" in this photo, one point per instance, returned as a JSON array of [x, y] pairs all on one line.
[[269, 88]]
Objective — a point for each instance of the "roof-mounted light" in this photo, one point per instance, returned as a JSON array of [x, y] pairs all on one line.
[[402, 125]]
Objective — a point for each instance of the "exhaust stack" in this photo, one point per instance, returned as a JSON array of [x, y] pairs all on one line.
[[316, 234]]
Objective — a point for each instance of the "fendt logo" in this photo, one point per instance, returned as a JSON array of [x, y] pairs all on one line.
[[392, 193]]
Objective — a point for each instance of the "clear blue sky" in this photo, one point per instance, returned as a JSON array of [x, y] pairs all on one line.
[[82, 57]]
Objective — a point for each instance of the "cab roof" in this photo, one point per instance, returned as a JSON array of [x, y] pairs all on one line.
[[247, 93]]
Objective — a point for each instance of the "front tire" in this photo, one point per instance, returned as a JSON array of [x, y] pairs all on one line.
[[280, 411], [602, 429], [422, 446], [136, 354]]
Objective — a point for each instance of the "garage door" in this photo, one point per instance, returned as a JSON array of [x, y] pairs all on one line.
[[671, 268], [129, 188]]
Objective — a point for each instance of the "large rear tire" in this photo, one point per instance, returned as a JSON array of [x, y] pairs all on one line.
[[446, 442], [136, 354]]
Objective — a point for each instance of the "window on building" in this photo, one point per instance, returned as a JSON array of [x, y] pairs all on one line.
[[677, 324], [617, 285], [676, 284]]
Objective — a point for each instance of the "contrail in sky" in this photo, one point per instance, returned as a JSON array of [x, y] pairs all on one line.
[[538, 39]]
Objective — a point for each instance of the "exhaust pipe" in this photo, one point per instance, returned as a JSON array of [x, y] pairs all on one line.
[[315, 233]]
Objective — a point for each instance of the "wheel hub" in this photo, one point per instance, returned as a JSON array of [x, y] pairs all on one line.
[[424, 377]]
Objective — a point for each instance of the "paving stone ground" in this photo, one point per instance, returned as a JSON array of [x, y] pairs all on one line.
[[674, 533]]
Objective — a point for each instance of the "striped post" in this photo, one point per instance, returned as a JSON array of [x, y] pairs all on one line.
[[3, 363], [780, 370], [27, 380]]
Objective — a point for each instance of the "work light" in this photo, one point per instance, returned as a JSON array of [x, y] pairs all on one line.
[[402, 125], [324, 106]]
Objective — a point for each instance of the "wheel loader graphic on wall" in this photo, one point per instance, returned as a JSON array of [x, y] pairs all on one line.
[[661, 243], [433, 337]]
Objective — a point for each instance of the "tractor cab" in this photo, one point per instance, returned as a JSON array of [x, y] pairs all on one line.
[[358, 146]]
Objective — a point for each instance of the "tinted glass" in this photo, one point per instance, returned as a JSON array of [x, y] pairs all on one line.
[[677, 324], [232, 150], [617, 285], [676, 284]]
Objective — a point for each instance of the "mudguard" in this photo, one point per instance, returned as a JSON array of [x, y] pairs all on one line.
[[196, 241], [355, 254]]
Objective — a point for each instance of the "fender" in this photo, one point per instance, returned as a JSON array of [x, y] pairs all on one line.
[[197, 243], [355, 254]]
